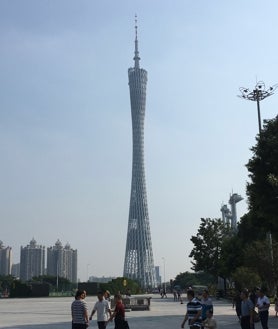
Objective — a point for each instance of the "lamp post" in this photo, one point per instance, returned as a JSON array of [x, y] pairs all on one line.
[[257, 94], [57, 278], [164, 273], [88, 272], [57, 273]]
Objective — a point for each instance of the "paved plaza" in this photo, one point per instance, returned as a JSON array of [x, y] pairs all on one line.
[[54, 313]]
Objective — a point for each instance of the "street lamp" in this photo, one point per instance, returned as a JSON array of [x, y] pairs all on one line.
[[164, 273], [57, 274], [257, 94], [88, 272]]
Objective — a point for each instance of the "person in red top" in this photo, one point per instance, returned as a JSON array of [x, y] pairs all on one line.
[[119, 313]]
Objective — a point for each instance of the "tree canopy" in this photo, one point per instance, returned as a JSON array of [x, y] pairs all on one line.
[[208, 244], [248, 256], [262, 190], [189, 279]]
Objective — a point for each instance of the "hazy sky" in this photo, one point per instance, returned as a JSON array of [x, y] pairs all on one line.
[[65, 120]]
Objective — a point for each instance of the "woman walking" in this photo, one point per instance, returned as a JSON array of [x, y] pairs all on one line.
[[119, 314], [79, 311]]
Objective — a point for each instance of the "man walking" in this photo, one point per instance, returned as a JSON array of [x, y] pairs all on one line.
[[247, 308], [194, 312], [263, 304], [206, 302], [102, 308]]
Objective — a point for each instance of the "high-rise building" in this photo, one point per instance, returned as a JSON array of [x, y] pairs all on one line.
[[16, 270], [138, 264], [158, 276], [62, 261], [32, 260], [5, 259]]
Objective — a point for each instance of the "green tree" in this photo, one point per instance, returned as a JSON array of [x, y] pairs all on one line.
[[261, 258], [261, 220], [262, 190], [189, 279], [63, 283], [121, 284], [231, 255], [6, 282], [208, 244], [245, 277]]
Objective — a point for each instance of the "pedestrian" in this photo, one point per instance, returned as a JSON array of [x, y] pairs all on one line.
[[263, 304], [210, 322], [103, 310], [163, 293], [79, 311], [179, 293], [119, 314], [253, 296], [276, 306], [206, 302], [175, 295], [128, 292], [194, 312], [237, 304], [247, 308], [107, 297]]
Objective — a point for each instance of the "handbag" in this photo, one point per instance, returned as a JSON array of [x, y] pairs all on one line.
[[125, 324], [256, 316]]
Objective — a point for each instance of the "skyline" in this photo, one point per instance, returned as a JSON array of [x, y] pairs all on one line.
[[65, 125]]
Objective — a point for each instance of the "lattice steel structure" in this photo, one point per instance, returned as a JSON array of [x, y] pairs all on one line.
[[138, 264]]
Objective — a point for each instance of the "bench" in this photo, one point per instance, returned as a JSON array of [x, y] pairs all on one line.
[[135, 303]]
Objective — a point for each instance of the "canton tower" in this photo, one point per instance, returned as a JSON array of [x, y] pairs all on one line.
[[138, 264]]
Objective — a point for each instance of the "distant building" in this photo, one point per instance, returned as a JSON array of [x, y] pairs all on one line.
[[102, 279], [62, 261], [32, 261], [16, 270], [5, 259], [157, 275]]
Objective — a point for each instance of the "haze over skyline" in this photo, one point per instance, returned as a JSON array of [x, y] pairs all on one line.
[[65, 120]]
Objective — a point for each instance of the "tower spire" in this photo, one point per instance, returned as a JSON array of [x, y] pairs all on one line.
[[136, 53], [139, 263]]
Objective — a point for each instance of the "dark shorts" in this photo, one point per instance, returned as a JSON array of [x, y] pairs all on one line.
[[79, 326], [101, 324]]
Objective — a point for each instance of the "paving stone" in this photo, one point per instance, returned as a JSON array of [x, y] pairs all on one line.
[[54, 313]]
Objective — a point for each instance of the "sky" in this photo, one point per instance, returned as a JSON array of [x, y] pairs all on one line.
[[65, 120]]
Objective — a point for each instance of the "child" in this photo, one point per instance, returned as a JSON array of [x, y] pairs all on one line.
[[210, 322]]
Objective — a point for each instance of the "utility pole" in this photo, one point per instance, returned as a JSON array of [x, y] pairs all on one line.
[[164, 273]]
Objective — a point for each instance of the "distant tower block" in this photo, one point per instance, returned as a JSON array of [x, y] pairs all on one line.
[[138, 264], [226, 214], [234, 199]]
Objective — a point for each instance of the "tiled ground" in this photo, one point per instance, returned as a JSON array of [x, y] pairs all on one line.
[[54, 313]]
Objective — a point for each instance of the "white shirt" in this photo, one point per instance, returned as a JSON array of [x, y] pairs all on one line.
[[263, 303], [102, 307]]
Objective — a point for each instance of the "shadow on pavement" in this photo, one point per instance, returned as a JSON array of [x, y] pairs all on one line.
[[62, 325]]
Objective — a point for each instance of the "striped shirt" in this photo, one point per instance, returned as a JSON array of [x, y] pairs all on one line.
[[193, 307], [78, 309]]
